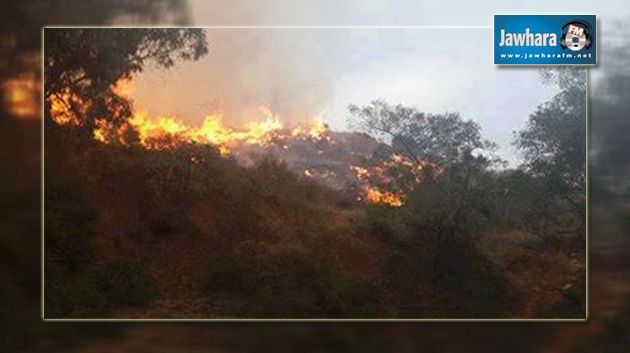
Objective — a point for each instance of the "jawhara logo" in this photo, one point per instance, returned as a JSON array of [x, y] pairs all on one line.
[[576, 35], [545, 40]]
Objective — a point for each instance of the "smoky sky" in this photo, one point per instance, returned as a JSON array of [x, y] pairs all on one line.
[[301, 72], [245, 68]]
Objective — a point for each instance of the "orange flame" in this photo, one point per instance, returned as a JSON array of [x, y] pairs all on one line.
[[64, 108], [389, 182], [384, 184], [170, 132], [377, 197], [21, 96], [166, 132], [124, 87]]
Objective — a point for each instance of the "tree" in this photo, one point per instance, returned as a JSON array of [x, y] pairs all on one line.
[[444, 139], [444, 216], [554, 140], [21, 22], [85, 64], [554, 146], [447, 140]]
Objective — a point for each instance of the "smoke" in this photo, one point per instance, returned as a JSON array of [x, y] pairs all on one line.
[[245, 68]]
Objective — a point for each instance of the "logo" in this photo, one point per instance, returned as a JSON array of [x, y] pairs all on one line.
[[527, 39], [576, 35], [544, 40]]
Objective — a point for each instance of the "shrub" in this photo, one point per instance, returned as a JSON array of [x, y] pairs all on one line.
[[290, 284], [99, 290], [69, 222], [75, 297], [231, 274], [126, 283], [573, 304]]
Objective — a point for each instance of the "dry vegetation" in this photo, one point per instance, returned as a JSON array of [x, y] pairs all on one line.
[[154, 218], [138, 233]]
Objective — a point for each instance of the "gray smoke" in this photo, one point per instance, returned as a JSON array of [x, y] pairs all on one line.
[[245, 68]]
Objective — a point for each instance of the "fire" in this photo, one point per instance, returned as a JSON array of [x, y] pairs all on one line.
[[124, 87], [159, 133], [389, 182], [386, 183], [65, 107], [213, 132], [261, 133], [21, 96], [169, 132], [377, 197], [317, 130]]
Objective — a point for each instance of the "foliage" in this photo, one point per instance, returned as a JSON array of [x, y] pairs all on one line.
[[69, 222], [126, 283], [444, 139], [265, 242], [22, 22], [99, 290], [553, 142], [290, 284], [85, 63]]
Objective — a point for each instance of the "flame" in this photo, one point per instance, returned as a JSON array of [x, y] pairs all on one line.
[[377, 197], [261, 133], [389, 182], [21, 96], [65, 107], [159, 133], [384, 184], [316, 130], [213, 132], [125, 87], [170, 132]]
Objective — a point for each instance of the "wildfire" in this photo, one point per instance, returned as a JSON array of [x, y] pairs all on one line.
[[124, 87], [377, 197], [166, 132], [65, 108], [21, 96], [389, 182], [21, 92], [169, 132], [386, 183]]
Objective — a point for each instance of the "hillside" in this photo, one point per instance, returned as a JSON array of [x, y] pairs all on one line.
[[187, 232]]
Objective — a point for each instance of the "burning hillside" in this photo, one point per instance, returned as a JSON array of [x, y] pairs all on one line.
[[339, 160]]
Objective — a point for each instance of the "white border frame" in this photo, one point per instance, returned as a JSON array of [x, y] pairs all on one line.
[[319, 320]]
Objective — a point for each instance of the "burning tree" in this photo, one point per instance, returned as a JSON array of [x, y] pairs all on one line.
[[423, 144], [83, 67], [389, 181]]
